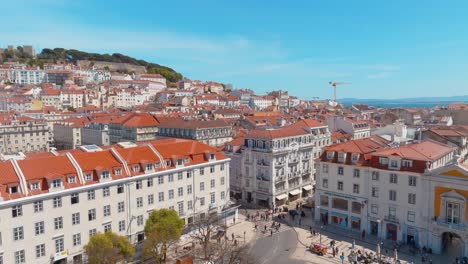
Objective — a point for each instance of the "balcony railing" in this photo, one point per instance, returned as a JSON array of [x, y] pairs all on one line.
[[294, 174], [279, 163], [280, 179], [443, 222], [391, 218], [294, 160]]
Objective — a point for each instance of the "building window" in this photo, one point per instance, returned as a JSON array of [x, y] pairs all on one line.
[[40, 251], [189, 189], [92, 232], [374, 209], [202, 186], [91, 195], [91, 214], [223, 195], [407, 163], [76, 219], [341, 156], [375, 175], [212, 183], [393, 178], [149, 167], [392, 195], [221, 167], [355, 188], [180, 176], [171, 194], [38, 206], [107, 210], [412, 180], [58, 223], [160, 179], [212, 198], [76, 239], [411, 198], [212, 169], [161, 196], [356, 173], [107, 227], [189, 175], [18, 233], [452, 212], [39, 228], [325, 168], [17, 210], [392, 213], [59, 245], [180, 191], [150, 199], [202, 201], [120, 207], [88, 176], [222, 180], [325, 183], [180, 208], [189, 205], [34, 186], [136, 168], [105, 175], [375, 192], [139, 184], [340, 185], [340, 170], [75, 198], [139, 201], [105, 191], [118, 172], [411, 216], [393, 164], [149, 182], [57, 201], [20, 257], [56, 183], [170, 177], [139, 220], [120, 188], [121, 225], [72, 179], [202, 171], [383, 161]]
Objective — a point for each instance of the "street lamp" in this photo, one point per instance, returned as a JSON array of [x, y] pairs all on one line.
[[379, 223]]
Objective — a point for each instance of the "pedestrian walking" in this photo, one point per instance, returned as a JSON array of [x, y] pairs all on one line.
[[271, 232], [234, 220], [255, 226], [265, 228], [334, 252], [300, 221], [232, 235], [363, 234]]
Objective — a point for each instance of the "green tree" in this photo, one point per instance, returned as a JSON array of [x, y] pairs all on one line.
[[162, 229], [106, 248]]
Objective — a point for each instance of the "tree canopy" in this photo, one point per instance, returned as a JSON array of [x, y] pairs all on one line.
[[162, 229], [104, 248]]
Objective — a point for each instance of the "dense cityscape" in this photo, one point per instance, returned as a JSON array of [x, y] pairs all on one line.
[[233, 132], [95, 148]]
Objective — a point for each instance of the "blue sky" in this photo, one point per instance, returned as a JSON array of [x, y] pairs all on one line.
[[387, 49]]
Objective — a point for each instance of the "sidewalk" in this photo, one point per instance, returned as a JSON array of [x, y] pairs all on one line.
[[344, 239]]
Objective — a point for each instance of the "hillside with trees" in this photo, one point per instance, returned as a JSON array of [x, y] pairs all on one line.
[[72, 56]]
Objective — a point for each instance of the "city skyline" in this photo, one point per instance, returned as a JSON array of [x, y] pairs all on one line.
[[312, 44]]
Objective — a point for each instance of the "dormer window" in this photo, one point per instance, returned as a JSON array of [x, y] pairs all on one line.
[[56, 183], [149, 167], [88, 177], [118, 172], [354, 158], [13, 189], [157, 165], [383, 161], [341, 156], [34, 186], [186, 160], [168, 163], [330, 155], [105, 175], [212, 156], [180, 162], [136, 168], [394, 163], [407, 163], [72, 179]]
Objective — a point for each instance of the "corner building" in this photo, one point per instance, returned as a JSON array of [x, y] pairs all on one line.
[[391, 192], [52, 203]]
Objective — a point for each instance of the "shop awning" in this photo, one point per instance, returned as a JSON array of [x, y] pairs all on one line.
[[338, 215], [281, 196], [295, 192], [307, 187]]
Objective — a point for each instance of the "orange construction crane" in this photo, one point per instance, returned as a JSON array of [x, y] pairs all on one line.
[[334, 84]]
